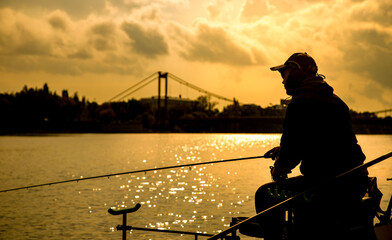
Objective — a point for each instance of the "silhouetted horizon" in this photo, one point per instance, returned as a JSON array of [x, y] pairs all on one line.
[[43, 111]]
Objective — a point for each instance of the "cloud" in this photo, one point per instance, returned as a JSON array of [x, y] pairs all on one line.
[[372, 91], [37, 63], [66, 66], [17, 37], [358, 37], [369, 52], [367, 42], [76, 9], [103, 36], [81, 9], [379, 12], [147, 42], [81, 54], [255, 9], [215, 44], [59, 20], [58, 45], [217, 7]]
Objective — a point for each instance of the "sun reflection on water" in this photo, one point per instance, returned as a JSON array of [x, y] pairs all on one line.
[[201, 198], [193, 192]]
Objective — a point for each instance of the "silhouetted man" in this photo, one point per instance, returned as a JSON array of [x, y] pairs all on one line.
[[317, 134]]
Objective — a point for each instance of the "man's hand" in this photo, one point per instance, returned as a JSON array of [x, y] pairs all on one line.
[[273, 153], [277, 175]]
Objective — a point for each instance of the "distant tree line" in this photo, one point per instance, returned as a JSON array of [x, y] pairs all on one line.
[[41, 110]]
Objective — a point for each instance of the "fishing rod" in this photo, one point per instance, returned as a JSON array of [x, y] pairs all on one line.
[[289, 200], [131, 172]]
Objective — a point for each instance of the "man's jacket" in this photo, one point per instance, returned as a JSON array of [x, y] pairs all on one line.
[[317, 133]]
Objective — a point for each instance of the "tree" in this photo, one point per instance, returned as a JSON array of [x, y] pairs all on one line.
[[204, 105], [106, 113], [65, 93]]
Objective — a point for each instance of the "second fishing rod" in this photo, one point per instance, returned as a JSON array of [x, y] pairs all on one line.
[[131, 172]]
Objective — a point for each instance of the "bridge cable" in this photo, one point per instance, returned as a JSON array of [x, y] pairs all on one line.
[[181, 81], [138, 88], [118, 95], [383, 111]]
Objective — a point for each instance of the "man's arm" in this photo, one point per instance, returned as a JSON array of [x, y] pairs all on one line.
[[290, 144]]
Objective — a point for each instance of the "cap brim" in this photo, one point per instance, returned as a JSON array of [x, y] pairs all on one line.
[[277, 68]]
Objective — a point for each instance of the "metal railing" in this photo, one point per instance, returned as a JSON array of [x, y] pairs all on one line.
[[124, 228]]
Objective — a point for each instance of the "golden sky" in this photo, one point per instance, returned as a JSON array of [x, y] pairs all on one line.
[[99, 48]]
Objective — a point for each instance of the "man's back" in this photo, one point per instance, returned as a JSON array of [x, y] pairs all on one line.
[[317, 130]]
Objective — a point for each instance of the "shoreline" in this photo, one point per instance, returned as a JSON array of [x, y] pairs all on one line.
[[207, 125]]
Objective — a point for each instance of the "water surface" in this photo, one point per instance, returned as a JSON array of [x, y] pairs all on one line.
[[201, 198]]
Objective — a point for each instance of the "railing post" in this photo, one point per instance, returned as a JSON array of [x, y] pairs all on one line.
[[124, 212], [124, 230]]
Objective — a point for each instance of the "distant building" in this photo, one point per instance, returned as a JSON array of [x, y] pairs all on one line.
[[282, 106], [172, 102]]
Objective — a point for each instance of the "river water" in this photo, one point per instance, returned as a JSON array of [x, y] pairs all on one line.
[[201, 198]]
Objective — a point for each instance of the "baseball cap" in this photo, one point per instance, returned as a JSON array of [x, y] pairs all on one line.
[[303, 61]]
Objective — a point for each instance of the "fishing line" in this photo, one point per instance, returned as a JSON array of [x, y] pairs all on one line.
[[130, 172]]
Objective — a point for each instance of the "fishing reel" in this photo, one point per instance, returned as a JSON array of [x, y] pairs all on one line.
[[274, 155], [278, 177]]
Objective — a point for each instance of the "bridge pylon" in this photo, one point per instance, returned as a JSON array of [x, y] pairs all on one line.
[[161, 116]]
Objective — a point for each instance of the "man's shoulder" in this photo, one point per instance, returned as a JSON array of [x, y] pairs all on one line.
[[314, 97], [304, 98], [318, 104]]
